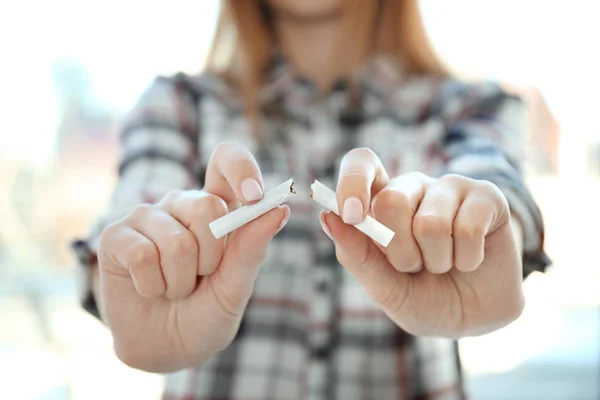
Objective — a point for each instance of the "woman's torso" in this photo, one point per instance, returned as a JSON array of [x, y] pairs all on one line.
[[310, 330]]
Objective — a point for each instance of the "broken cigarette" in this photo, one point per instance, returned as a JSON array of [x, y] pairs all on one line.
[[237, 218], [370, 226]]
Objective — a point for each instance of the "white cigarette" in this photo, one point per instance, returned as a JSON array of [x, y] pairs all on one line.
[[240, 217], [370, 226]]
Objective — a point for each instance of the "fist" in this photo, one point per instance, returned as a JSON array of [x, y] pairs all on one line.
[[171, 294], [453, 268]]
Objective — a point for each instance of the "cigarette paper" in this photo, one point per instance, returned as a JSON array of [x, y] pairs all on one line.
[[370, 226], [240, 217]]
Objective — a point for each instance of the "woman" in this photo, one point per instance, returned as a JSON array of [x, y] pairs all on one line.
[[348, 92]]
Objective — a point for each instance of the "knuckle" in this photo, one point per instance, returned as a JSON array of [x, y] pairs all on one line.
[[232, 151], [431, 226], [109, 231], [485, 185], [362, 155], [240, 158], [141, 256], [363, 152], [417, 176], [388, 199], [208, 208], [489, 195], [108, 244], [223, 147], [179, 242], [173, 196], [141, 211], [454, 179], [487, 190], [468, 231]]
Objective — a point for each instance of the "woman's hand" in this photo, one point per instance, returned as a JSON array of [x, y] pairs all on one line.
[[453, 268], [171, 293]]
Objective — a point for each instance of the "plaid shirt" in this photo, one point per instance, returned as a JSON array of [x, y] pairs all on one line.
[[310, 331]]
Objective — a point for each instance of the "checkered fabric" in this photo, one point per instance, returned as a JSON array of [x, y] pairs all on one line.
[[310, 331]]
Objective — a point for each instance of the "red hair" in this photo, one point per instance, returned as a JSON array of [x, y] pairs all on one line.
[[244, 41]]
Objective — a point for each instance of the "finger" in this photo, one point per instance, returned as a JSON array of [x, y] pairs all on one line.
[[195, 210], [234, 281], [472, 223], [233, 175], [177, 247], [432, 225], [137, 254], [395, 207], [362, 258], [361, 176]]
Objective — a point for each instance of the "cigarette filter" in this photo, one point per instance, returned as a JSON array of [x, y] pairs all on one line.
[[237, 218], [370, 226]]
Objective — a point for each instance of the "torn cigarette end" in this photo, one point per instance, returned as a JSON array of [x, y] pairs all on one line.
[[370, 226], [240, 217]]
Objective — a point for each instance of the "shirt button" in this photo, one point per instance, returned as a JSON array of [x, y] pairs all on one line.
[[322, 287], [321, 353]]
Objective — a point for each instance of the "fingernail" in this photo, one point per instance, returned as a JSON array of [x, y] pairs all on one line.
[[251, 190], [285, 220], [324, 224], [352, 211]]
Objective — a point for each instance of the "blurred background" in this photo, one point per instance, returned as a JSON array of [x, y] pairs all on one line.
[[71, 69]]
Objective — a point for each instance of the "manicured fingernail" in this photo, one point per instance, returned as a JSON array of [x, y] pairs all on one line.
[[324, 224], [251, 190], [285, 220], [352, 212]]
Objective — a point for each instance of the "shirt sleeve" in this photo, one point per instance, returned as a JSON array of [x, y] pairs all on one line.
[[159, 153], [485, 139]]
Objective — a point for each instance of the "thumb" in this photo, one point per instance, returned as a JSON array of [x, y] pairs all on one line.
[[233, 281], [365, 261]]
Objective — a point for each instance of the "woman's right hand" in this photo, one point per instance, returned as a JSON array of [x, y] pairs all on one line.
[[172, 294]]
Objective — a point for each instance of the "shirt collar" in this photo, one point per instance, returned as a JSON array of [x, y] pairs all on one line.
[[377, 76], [377, 79]]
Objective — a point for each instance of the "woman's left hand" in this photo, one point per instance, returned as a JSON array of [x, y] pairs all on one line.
[[453, 269]]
